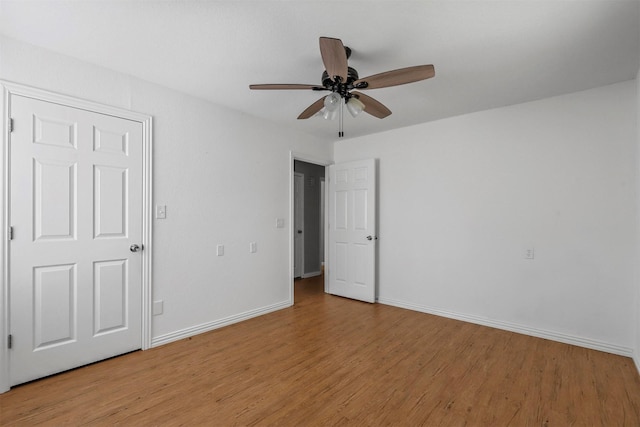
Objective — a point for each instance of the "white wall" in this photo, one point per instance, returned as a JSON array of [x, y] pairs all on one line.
[[461, 199], [198, 150]]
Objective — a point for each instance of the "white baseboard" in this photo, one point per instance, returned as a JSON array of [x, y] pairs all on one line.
[[313, 274], [521, 329], [205, 327]]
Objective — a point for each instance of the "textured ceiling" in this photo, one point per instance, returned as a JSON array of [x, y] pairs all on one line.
[[486, 53]]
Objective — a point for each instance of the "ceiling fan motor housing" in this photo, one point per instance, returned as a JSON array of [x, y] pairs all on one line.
[[342, 87]]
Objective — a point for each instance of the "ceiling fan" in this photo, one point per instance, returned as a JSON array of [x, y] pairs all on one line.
[[341, 80]]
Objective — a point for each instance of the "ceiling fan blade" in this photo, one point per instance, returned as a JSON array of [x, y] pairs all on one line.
[[397, 77], [371, 106], [286, 86], [312, 109], [334, 57]]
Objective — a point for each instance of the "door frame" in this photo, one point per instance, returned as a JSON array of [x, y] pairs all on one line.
[[10, 89], [308, 158], [323, 219], [295, 232]]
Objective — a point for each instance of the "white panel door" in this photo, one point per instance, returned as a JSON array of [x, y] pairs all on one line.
[[75, 209], [352, 233]]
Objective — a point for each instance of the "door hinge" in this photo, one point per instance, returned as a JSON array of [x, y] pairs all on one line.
[[10, 125], [10, 233], [10, 341]]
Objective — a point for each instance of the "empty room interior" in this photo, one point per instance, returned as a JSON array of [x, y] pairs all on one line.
[[320, 212]]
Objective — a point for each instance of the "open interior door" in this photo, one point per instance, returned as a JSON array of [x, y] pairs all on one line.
[[352, 233]]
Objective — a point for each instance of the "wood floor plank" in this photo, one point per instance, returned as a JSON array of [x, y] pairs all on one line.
[[333, 361]]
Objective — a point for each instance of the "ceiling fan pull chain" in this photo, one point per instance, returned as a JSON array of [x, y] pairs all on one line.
[[341, 118]]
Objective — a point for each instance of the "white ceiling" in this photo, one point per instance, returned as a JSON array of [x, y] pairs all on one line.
[[486, 53]]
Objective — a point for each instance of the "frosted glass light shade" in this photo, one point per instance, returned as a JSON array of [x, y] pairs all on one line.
[[330, 114], [355, 106], [332, 101]]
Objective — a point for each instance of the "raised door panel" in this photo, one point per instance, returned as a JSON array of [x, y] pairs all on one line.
[[360, 211], [54, 304], [361, 262], [341, 211], [110, 202], [110, 294], [341, 261], [110, 141], [54, 199], [57, 132]]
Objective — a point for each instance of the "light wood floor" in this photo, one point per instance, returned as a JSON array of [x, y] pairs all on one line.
[[333, 361]]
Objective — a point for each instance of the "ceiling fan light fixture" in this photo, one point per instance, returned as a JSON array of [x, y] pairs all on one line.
[[355, 106]]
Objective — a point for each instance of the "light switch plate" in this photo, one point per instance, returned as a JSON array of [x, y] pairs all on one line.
[[161, 211], [220, 250], [279, 222], [253, 247], [158, 307]]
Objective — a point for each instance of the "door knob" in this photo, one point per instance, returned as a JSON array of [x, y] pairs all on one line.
[[299, 231], [135, 248], [372, 237]]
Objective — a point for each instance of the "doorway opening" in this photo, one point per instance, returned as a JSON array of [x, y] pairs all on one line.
[[298, 225], [308, 215], [309, 230]]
